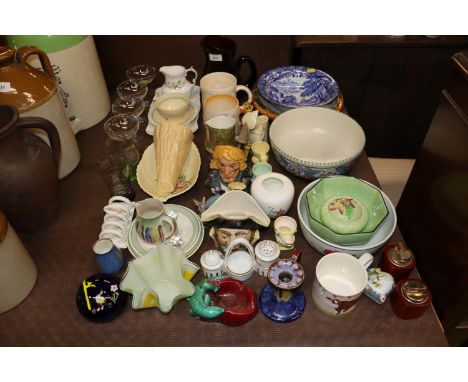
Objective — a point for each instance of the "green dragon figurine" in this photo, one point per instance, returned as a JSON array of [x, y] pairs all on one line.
[[200, 301]]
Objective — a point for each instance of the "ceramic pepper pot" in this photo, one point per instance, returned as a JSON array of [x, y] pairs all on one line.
[[274, 192], [29, 191], [34, 93]]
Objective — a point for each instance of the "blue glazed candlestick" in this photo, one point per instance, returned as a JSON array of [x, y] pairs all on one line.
[[282, 300]]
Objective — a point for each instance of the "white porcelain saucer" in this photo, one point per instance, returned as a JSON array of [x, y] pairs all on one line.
[[155, 117]]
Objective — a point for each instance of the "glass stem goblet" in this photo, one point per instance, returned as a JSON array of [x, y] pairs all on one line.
[[131, 89], [144, 74], [132, 106]]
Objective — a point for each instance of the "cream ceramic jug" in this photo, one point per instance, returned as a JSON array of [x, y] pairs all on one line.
[[153, 225], [175, 79], [80, 80]]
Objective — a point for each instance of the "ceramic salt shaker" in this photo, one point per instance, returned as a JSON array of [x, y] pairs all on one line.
[[274, 192], [398, 260], [266, 253], [410, 299]]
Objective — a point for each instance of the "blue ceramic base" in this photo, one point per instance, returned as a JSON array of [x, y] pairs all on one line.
[[282, 310]]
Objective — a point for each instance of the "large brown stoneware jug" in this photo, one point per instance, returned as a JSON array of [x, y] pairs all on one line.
[[29, 193]]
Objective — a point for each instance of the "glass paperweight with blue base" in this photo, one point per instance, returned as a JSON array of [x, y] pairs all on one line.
[[281, 299]]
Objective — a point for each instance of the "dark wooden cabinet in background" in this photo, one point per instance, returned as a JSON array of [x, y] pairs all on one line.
[[118, 53], [433, 209], [391, 84]]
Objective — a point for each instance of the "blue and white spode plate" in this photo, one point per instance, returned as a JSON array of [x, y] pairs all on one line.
[[298, 86]]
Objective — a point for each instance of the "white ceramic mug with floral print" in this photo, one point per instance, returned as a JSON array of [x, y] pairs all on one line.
[[340, 279]]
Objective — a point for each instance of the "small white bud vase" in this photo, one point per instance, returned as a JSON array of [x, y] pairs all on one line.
[[274, 193]]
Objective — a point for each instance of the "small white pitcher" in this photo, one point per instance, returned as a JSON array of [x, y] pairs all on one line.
[[175, 79]]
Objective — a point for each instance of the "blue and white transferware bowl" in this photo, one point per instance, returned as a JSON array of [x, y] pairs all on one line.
[[297, 86]]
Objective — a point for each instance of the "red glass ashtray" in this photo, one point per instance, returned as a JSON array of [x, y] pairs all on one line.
[[237, 299]]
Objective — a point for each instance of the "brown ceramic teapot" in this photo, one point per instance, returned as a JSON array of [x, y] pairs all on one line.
[[34, 93], [29, 193]]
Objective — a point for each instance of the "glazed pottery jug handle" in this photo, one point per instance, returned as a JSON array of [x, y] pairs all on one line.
[[25, 51], [170, 222], [49, 128], [366, 260], [247, 90], [191, 69], [253, 70]]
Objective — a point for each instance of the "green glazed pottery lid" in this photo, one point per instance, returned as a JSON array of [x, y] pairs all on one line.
[[48, 44], [344, 214]]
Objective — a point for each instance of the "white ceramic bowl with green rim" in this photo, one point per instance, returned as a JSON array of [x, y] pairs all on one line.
[[383, 233], [313, 142], [345, 210]]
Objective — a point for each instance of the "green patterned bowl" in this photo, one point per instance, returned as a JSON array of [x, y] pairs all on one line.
[[345, 210]]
